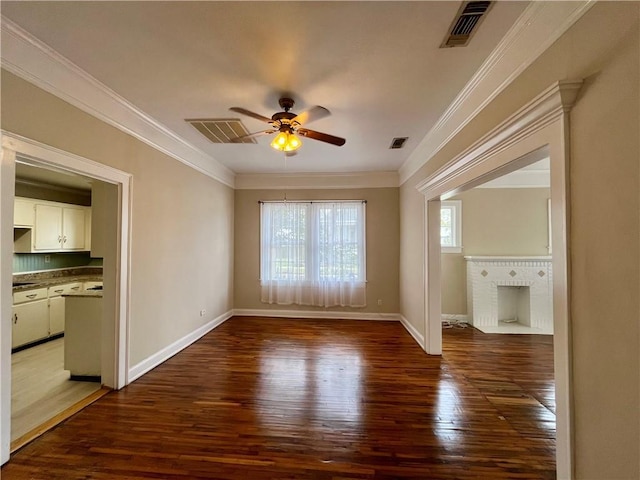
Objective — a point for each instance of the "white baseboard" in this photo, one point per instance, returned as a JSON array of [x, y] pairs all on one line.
[[455, 317], [323, 314], [169, 351], [417, 336]]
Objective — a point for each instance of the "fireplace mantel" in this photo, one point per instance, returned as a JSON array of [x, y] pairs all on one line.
[[485, 276]]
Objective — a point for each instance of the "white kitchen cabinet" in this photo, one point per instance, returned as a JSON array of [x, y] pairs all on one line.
[[30, 322], [55, 227], [59, 228], [48, 232], [91, 285], [56, 315], [23, 213], [57, 305]]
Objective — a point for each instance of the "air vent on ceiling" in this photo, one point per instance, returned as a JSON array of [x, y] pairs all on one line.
[[466, 23], [221, 130], [398, 142]]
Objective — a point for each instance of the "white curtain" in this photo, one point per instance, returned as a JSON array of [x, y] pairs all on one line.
[[313, 253]]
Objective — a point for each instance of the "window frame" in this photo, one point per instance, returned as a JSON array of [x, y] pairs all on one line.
[[456, 225], [310, 242]]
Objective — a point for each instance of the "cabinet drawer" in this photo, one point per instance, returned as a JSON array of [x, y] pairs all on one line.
[[65, 289], [92, 285], [29, 295]]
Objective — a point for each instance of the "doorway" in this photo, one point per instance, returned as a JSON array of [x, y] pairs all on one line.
[[114, 328], [47, 385], [538, 129]]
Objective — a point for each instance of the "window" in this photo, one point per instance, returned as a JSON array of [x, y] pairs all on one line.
[[313, 253], [451, 226]]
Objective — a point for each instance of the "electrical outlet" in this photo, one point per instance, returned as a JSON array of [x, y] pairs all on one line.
[[47, 259], [203, 313], [379, 301]]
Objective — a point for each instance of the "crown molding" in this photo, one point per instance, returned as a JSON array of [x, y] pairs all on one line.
[[543, 110], [32, 60], [541, 24], [311, 181]]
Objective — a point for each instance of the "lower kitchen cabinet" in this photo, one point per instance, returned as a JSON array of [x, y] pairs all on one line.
[[30, 322], [40, 313], [56, 315]]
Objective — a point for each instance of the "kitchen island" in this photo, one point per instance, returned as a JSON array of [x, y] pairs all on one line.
[[82, 344]]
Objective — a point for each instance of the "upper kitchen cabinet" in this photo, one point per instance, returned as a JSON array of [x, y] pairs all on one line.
[[57, 227], [23, 213]]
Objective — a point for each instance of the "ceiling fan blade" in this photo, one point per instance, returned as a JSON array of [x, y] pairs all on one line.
[[314, 113], [251, 135], [249, 113], [323, 137]]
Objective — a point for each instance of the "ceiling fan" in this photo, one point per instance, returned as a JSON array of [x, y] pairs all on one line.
[[287, 124]]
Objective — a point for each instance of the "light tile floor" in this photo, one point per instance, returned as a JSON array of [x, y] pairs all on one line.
[[40, 386]]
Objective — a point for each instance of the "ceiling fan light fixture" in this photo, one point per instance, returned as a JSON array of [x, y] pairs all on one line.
[[286, 142]]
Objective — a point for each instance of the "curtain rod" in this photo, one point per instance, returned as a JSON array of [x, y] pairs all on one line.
[[311, 201]]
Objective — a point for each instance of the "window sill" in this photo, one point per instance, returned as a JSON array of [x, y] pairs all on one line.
[[451, 249]]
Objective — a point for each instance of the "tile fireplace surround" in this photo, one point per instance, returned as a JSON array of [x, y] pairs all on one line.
[[484, 277]]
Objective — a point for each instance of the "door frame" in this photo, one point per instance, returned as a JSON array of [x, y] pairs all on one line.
[[116, 362], [538, 129]]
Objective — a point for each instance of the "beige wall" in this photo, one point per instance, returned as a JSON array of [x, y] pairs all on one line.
[[602, 48], [495, 221], [182, 220], [382, 245]]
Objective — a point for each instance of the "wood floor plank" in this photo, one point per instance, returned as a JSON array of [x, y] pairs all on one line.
[[263, 398]]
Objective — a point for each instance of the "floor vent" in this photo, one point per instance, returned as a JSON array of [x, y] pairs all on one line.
[[221, 130], [466, 23], [398, 142]]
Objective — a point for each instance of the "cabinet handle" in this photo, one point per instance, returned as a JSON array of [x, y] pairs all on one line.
[[64, 239], [33, 295], [15, 318], [59, 291], [75, 288], [59, 238]]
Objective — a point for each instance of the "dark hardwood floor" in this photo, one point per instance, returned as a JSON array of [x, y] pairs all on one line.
[[262, 398]]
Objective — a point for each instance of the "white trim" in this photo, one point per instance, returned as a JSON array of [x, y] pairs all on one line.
[[541, 24], [31, 59], [316, 314], [311, 181], [540, 126], [432, 276], [413, 331], [7, 185], [543, 110], [169, 351]]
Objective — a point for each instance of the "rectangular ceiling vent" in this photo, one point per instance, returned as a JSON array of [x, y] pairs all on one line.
[[466, 23], [398, 142], [221, 130]]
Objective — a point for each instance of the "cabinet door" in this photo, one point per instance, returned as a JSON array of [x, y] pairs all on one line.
[[48, 230], [56, 315], [23, 213], [30, 322], [73, 228]]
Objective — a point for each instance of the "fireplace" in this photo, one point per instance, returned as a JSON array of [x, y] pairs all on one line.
[[510, 294]]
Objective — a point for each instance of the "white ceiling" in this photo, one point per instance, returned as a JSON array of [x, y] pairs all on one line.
[[376, 66]]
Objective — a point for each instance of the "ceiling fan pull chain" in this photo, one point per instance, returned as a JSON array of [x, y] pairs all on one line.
[[285, 172]]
